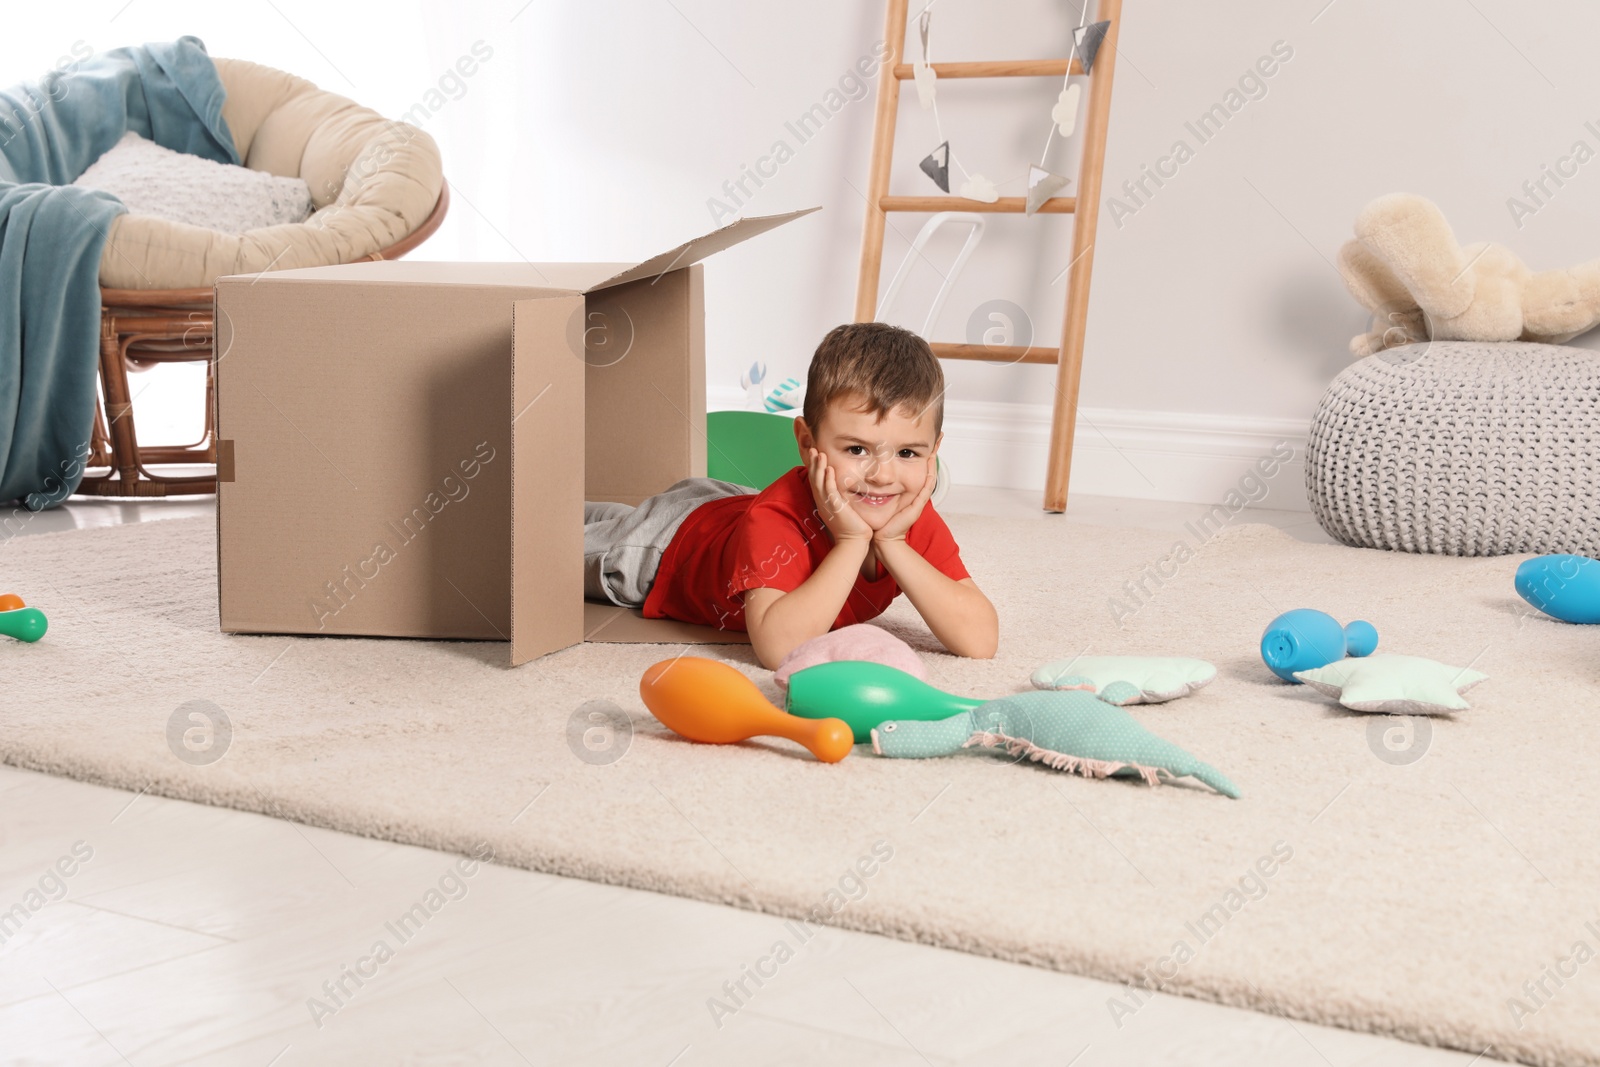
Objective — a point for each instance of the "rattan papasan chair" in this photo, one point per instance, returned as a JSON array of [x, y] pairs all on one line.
[[377, 192]]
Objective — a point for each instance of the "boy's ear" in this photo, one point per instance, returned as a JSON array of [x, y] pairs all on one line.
[[802, 434]]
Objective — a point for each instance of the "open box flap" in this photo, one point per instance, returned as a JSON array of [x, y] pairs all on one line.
[[555, 277], [547, 416], [701, 247]]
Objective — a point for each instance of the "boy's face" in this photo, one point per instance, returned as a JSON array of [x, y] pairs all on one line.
[[879, 464]]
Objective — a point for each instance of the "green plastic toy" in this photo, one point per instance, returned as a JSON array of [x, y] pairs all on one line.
[[753, 448], [25, 624], [865, 694], [1068, 730]]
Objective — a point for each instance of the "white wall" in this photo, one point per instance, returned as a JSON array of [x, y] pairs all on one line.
[[599, 130]]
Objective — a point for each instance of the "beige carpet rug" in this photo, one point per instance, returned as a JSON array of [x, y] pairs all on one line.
[[1453, 899]]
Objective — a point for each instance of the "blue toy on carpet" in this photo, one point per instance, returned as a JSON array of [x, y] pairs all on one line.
[[1565, 586], [1305, 639]]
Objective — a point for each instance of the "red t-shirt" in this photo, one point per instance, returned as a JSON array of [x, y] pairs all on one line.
[[773, 539]]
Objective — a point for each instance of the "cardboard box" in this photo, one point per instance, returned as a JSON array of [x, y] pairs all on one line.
[[405, 447]]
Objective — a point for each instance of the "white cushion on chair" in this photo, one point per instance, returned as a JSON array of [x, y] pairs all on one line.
[[152, 180], [373, 181]]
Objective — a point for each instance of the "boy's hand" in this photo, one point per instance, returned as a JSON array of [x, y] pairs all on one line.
[[900, 522], [842, 521]]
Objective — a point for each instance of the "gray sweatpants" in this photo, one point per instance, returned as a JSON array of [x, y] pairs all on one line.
[[623, 545]]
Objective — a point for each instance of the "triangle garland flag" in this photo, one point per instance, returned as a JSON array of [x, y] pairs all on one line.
[[937, 166], [1088, 39], [1042, 185]]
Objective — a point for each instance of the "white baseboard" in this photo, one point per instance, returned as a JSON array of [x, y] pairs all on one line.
[[1150, 455]]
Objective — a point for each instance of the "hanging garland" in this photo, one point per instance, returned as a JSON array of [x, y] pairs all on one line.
[[1042, 184]]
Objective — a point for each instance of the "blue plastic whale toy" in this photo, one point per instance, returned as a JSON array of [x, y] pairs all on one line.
[[1305, 639], [1565, 587]]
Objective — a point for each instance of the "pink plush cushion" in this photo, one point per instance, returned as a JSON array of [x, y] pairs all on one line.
[[861, 641]]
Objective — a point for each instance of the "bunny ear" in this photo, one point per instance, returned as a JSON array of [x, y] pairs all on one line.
[[1412, 238], [1396, 317], [1369, 278]]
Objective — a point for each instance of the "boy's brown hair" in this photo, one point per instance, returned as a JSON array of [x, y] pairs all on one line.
[[886, 366]]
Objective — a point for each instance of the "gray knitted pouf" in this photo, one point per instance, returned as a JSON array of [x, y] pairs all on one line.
[[1462, 449]]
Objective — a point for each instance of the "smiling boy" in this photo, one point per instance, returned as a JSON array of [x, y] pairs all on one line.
[[833, 541]]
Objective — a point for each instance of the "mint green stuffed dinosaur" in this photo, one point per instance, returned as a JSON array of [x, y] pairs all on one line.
[[1069, 730]]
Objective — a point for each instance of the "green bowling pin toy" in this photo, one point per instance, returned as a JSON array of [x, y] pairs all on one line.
[[25, 624], [865, 694]]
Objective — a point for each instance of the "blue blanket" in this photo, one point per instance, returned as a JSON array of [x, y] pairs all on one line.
[[52, 236]]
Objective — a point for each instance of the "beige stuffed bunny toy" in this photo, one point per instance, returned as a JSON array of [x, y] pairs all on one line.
[[1406, 269]]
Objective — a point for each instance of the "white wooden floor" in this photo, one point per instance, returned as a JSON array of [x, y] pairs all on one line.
[[195, 935]]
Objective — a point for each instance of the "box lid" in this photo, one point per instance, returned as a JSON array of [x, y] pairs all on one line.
[[700, 248], [561, 277]]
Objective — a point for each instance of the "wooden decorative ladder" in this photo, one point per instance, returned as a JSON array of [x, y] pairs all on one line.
[[1068, 358]]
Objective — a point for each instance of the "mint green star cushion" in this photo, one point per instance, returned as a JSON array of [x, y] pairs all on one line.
[[1124, 680], [1070, 730], [1395, 685]]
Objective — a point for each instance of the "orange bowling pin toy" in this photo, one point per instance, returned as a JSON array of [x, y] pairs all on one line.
[[705, 700]]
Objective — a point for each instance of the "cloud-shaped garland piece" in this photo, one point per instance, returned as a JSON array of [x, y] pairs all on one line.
[[979, 188], [1065, 111], [1395, 685], [1123, 680]]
